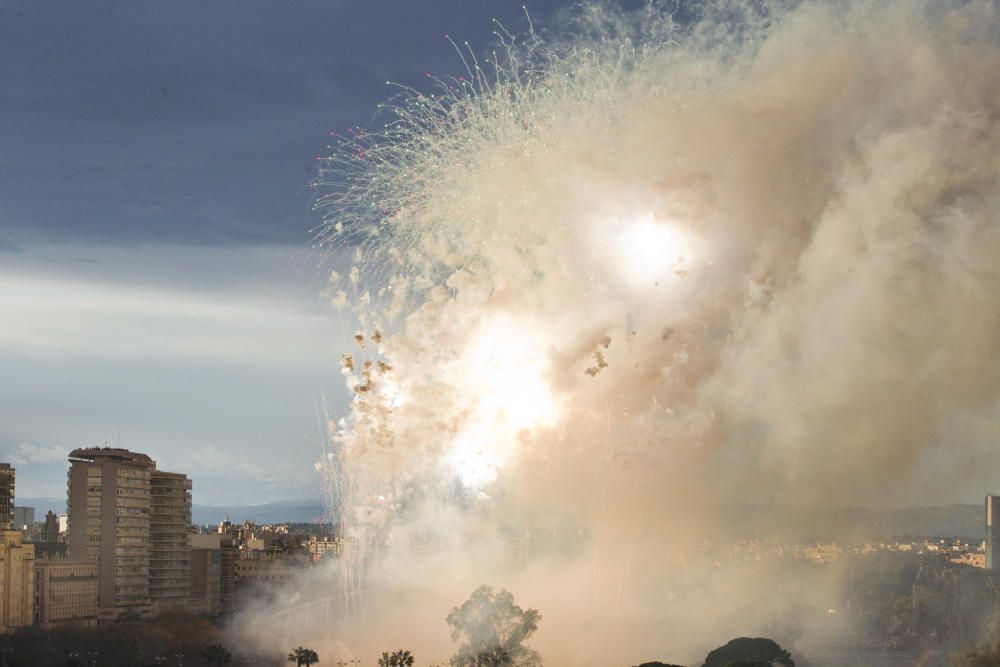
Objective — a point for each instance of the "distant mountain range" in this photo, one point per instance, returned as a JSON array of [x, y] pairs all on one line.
[[736, 521], [841, 523], [282, 511]]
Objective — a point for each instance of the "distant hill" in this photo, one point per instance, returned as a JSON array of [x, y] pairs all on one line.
[[282, 511], [737, 521], [949, 520]]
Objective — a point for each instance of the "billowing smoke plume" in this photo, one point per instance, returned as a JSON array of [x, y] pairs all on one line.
[[609, 282]]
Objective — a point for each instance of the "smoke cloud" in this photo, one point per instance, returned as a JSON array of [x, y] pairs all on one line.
[[608, 282]]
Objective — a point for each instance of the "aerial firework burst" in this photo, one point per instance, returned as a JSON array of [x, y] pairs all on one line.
[[606, 282], [433, 205]]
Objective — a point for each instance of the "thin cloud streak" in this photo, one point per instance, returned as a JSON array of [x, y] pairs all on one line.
[[54, 317]]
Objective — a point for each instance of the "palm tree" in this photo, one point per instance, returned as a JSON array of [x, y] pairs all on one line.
[[496, 657], [396, 659], [216, 654], [303, 657]]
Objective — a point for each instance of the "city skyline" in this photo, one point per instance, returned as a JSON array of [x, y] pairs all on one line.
[[587, 332]]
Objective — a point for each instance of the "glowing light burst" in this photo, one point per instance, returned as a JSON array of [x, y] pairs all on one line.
[[651, 249], [503, 370]]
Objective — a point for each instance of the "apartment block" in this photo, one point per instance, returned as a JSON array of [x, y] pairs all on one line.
[[170, 551], [23, 518], [17, 581], [50, 531], [65, 592], [993, 533], [6, 496], [228, 558], [206, 581], [109, 522]]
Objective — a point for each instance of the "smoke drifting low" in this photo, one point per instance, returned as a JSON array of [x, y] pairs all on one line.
[[609, 282]]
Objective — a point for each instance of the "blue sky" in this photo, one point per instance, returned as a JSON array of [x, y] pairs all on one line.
[[156, 284]]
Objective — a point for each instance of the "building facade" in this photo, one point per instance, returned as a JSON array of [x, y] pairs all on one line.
[[170, 551], [23, 518], [65, 592], [50, 531], [228, 558], [6, 496], [206, 581], [325, 547], [109, 521], [993, 533], [17, 581]]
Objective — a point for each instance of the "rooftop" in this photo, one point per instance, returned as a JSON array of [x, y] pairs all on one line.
[[95, 454]]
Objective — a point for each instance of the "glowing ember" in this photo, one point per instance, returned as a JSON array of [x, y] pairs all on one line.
[[503, 373], [651, 249]]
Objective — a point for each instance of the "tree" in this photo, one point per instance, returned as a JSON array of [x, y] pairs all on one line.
[[495, 657], [749, 652], [494, 630], [216, 654], [303, 657], [396, 659]]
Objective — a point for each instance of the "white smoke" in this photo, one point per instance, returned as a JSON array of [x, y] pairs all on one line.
[[609, 282]]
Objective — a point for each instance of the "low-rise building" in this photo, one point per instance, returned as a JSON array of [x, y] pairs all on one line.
[[65, 592], [326, 547], [265, 572], [260, 579], [51, 550]]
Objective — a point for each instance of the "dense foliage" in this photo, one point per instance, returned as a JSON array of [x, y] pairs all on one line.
[[125, 644], [493, 631], [749, 652]]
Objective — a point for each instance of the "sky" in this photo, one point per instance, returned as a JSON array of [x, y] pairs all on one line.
[[158, 290]]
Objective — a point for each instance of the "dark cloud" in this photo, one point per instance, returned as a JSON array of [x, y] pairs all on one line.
[[199, 123]]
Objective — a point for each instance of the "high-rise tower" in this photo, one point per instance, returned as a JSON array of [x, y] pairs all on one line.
[[6, 496], [109, 517], [992, 533], [170, 550]]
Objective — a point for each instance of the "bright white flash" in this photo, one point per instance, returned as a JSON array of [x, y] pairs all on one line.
[[503, 371], [651, 249]]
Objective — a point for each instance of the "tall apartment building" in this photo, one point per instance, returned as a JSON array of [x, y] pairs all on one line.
[[23, 518], [224, 545], [17, 581], [109, 518], [993, 533], [65, 592], [170, 553], [6, 496], [50, 531], [206, 580]]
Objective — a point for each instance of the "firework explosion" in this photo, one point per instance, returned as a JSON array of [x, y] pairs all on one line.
[[606, 282]]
